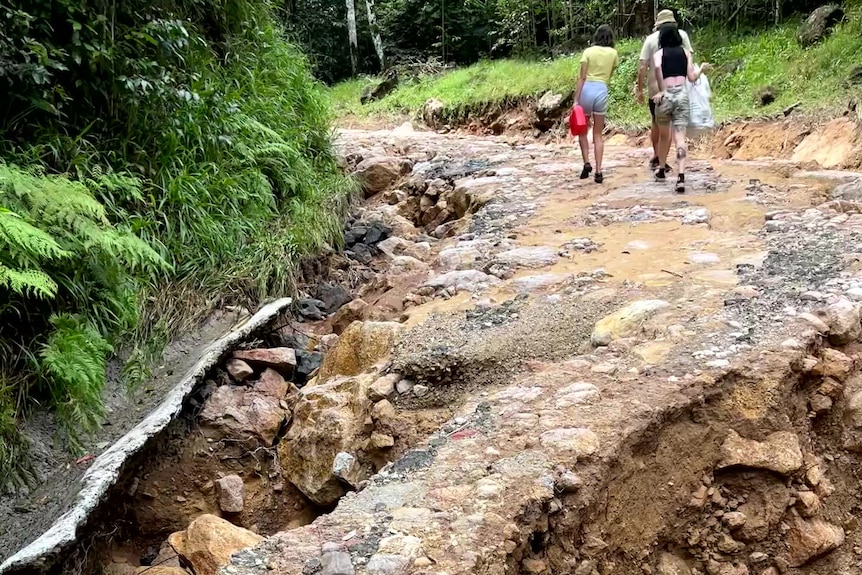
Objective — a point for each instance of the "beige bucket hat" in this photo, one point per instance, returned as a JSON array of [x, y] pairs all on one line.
[[664, 17]]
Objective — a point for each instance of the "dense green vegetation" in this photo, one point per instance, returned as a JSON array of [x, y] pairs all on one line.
[[816, 77], [155, 159]]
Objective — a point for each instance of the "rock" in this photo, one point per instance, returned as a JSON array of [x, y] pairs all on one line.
[[467, 280], [393, 246], [808, 503], [404, 386], [850, 191], [733, 569], [758, 557], [727, 544], [383, 413], [208, 543], [815, 322], [419, 250], [834, 364], [625, 322], [336, 563], [533, 566], [734, 519], [346, 468], [819, 24], [432, 113], [578, 440], [780, 452], [307, 363], [458, 258], [382, 441], [328, 420], [382, 89], [349, 313], [383, 564], [309, 308], [281, 359], [845, 324], [239, 370], [529, 257], [360, 346], [378, 174], [669, 564], [809, 539], [377, 232], [550, 109], [239, 412], [231, 493], [384, 387], [420, 390], [405, 265], [272, 384], [820, 404], [333, 296]]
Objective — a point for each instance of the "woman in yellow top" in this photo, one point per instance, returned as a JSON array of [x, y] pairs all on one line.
[[597, 66]]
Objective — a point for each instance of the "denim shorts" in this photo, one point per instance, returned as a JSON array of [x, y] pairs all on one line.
[[594, 98]]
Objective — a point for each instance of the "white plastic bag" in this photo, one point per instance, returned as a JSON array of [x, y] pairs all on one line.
[[700, 112]]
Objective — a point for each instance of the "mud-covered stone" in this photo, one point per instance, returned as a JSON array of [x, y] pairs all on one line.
[[360, 346], [272, 383], [432, 113], [240, 412], [670, 564], [281, 359], [780, 452], [809, 539], [209, 541], [231, 493], [625, 322]]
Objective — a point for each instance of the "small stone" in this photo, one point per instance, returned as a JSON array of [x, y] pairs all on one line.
[[728, 544], [231, 493], [404, 386], [569, 482], [420, 390], [758, 557], [281, 359], [808, 503], [815, 322], [239, 370], [384, 387], [382, 441], [670, 564], [834, 364], [820, 403], [421, 562], [346, 468], [770, 571], [336, 563], [381, 564], [534, 566], [734, 519]]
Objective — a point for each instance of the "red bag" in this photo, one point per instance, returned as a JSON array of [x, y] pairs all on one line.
[[577, 121]]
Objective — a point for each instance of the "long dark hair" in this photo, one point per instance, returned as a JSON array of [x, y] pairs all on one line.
[[669, 37], [604, 36]]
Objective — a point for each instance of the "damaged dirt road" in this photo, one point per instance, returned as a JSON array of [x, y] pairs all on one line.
[[542, 375], [643, 382]]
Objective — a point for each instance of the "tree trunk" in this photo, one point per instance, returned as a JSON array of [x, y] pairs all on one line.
[[375, 33], [351, 33]]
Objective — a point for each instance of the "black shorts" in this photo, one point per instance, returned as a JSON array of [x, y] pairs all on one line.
[[652, 108]]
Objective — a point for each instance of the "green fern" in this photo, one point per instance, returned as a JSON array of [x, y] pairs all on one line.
[[72, 366]]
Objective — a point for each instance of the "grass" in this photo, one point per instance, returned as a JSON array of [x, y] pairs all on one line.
[[747, 62]]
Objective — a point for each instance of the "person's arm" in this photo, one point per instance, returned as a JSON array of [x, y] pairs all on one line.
[[581, 79], [656, 66], [643, 65], [686, 42], [692, 75]]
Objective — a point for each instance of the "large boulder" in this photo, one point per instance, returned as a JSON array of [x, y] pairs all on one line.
[[819, 24], [209, 541], [360, 346], [382, 89], [241, 412], [379, 173], [550, 109], [328, 421]]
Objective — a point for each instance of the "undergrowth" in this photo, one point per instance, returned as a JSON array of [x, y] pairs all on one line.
[[159, 162], [746, 62]]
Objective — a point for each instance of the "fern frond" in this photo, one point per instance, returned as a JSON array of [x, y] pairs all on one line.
[[26, 241], [33, 283]]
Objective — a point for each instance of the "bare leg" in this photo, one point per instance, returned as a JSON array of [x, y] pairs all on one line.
[[663, 145], [585, 144], [598, 140], [654, 137], [681, 157]]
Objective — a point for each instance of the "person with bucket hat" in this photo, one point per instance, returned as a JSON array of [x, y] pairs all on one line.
[[645, 71]]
